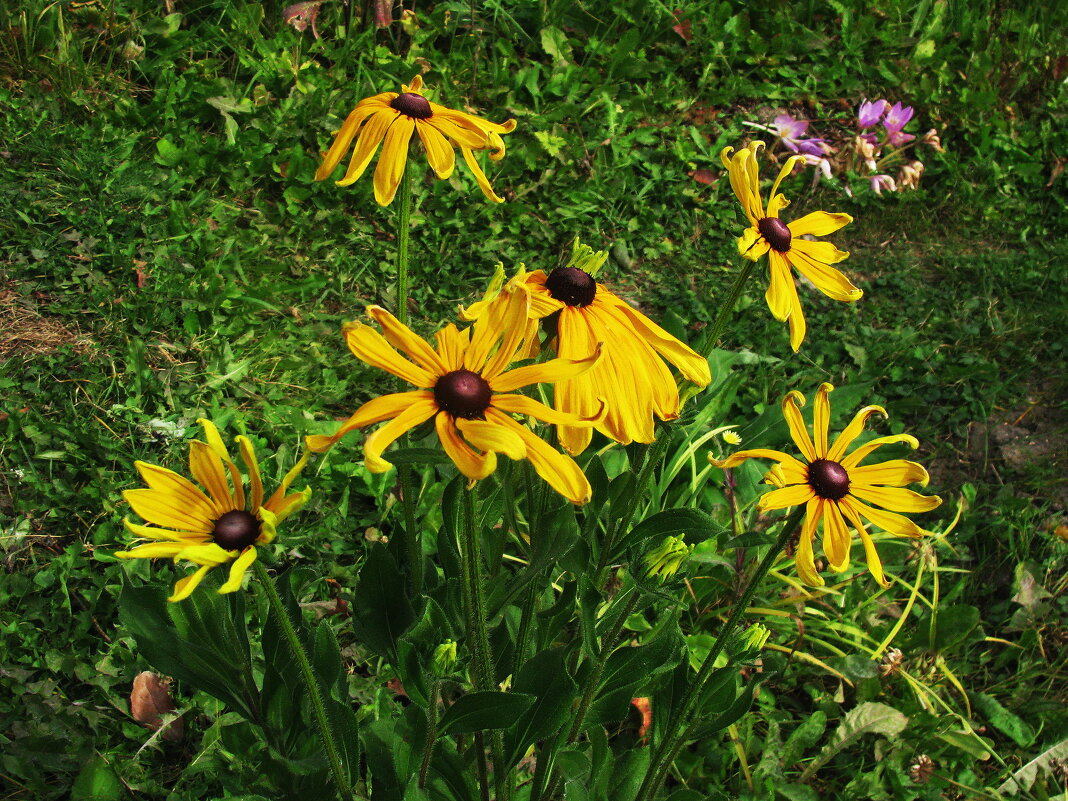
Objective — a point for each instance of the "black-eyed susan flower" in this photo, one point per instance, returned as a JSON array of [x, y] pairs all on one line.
[[465, 387], [837, 489], [632, 379], [390, 119], [213, 524], [784, 243]]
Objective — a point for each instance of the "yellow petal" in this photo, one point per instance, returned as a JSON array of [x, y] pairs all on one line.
[[252, 467], [559, 471], [452, 345], [786, 170], [689, 362], [513, 324], [819, 223], [781, 290], [154, 550], [480, 177], [391, 163], [791, 410], [828, 280], [211, 434], [154, 533], [206, 553], [796, 472], [280, 494], [472, 464], [370, 346], [439, 153], [183, 588], [521, 404], [836, 540], [852, 431], [374, 130], [785, 497], [895, 473], [461, 135], [855, 458], [896, 499], [374, 411], [821, 419], [363, 110], [207, 468], [819, 252], [875, 564], [798, 327], [238, 569], [804, 559], [487, 436], [165, 510], [896, 524], [418, 412], [752, 245], [548, 372], [407, 341]]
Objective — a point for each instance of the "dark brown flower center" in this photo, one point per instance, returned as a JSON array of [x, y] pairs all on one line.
[[828, 479], [236, 530], [776, 232], [464, 394], [572, 286], [412, 105]]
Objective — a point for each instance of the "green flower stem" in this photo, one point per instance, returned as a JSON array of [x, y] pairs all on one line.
[[708, 342], [311, 683], [431, 730], [669, 748], [478, 633], [413, 545]]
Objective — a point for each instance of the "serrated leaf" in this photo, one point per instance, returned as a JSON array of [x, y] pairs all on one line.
[[870, 717], [1022, 779], [1003, 720]]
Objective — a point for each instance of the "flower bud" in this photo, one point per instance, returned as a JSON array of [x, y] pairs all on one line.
[[664, 561], [931, 138], [881, 182], [731, 438], [909, 177], [755, 636]]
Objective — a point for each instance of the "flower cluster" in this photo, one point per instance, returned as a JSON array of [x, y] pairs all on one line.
[[873, 143]]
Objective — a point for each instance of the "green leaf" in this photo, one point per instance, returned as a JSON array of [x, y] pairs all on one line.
[[485, 710], [630, 770], [554, 42], [545, 677], [96, 782], [1022, 779], [696, 525], [806, 735], [384, 612], [167, 153], [870, 717], [1003, 720]]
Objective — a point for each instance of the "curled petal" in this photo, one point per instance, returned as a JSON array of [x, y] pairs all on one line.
[[374, 131], [480, 176], [857, 456], [472, 464], [521, 404], [238, 569], [382, 438], [852, 431], [548, 372], [391, 163], [370, 346], [791, 410], [821, 418], [374, 411], [559, 471], [836, 540], [804, 559], [488, 436], [184, 587], [439, 153], [875, 564], [407, 341]]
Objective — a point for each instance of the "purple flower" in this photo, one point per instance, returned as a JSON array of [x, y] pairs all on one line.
[[871, 113], [897, 138], [897, 117], [789, 129], [808, 147], [881, 182]]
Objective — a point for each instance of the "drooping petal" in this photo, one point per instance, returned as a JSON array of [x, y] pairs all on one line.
[[804, 558], [480, 176], [184, 587], [781, 290], [786, 170], [439, 153], [819, 223], [548, 372], [896, 499], [836, 540], [461, 135], [371, 136], [689, 362], [344, 137], [370, 346], [785, 497], [752, 244], [821, 419], [852, 431], [154, 533], [791, 410], [875, 564], [798, 326], [472, 464], [374, 411], [828, 280], [391, 163], [452, 345], [895, 473], [154, 550], [559, 471], [278, 498], [487, 436], [238, 569], [206, 553], [418, 412]]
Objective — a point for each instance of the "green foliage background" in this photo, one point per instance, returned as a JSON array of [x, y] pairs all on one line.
[[167, 255]]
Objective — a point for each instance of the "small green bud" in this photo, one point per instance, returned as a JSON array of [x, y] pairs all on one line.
[[755, 636], [664, 561], [445, 658]]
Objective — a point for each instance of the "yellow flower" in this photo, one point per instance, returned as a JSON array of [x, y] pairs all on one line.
[[783, 242], [834, 486], [214, 527], [390, 119], [464, 387], [631, 380]]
